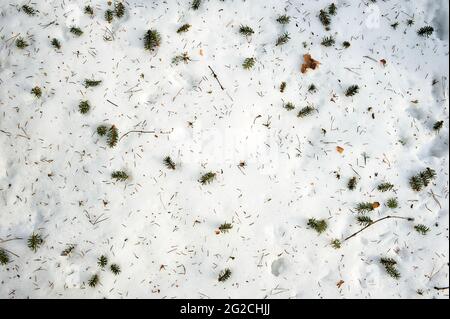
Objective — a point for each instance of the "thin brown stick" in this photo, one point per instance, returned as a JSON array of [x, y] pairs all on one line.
[[142, 132], [377, 221], [217, 78], [441, 288]]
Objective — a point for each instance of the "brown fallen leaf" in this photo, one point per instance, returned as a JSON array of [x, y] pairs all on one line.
[[376, 205], [339, 149], [383, 62], [217, 232], [340, 283], [201, 52], [309, 63]]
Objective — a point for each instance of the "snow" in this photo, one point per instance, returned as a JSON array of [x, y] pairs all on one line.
[[160, 226]]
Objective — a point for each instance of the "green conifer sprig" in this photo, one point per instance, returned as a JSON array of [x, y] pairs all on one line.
[[109, 15], [438, 126], [112, 137], [195, 5], [35, 241], [115, 269], [91, 83], [410, 22], [332, 9], [325, 19], [245, 30], [225, 228], [21, 43], [416, 183], [312, 88], [395, 25], [169, 163], [184, 28], [363, 208], [88, 10], [422, 180], [94, 281], [249, 63], [283, 87], [306, 111], [207, 178], [352, 183], [119, 9], [28, 10], [426, 31], [392, 203], [120, 176], [102, 130], [364, 220], [76, 31], [422, 229], [352, 90], [283, 39], [181, 58], [36, 91], [84, 107], [284, 19], [56, 44], [4, 257], [289, 106], [346, 44], [152, 40], [102, 261], [389, 265], [385, 187], [224, 275], [336, 244], [328, 41], [319, 226]]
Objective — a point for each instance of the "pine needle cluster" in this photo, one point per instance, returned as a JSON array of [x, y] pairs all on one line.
[[328, 41], [392, 203], [36, 91], [422, 179], [225, 228], [385, 187], [35, 241], [56, 44], [94, 281], [364, 220], [169, 163], [306, 111], [88, 10], [4, 257], [152, 40], [102, 261], [207, 178], [76, 31], [28, 10], [426, 31], [249, 63], [195, 5], [283, 87], [352, 90], [224, 275], [120, 176], [84, 107], [109, 15], [115, 269], [289, 106], [352, 183], [283, 39], [91, 83], [181, 58], [246, 30], [184, 28], [21, 43], [119, 9], [284, 19], [362, 208], [390, 267], [438, 126], [422, 229], [319, 226]]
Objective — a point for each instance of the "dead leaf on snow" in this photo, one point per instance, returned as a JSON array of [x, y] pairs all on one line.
[[309, 63]]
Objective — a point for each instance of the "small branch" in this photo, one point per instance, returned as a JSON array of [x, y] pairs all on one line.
[[142, 132], [377, 221], [217, 78], [441, 288]]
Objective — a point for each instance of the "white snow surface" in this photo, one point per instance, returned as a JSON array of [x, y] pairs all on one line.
[[160, 226]]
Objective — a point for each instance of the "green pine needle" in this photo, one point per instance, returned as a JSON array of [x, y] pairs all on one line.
[[88, 10], [364, 208], [438, 126], [346, 44], [120, 176], [115, 269], [325, 19], [76, 31], [422, 179], [284, 19], [426, 31], [35, 241], [4, 257], [169, 163], [102, 130], [389, 264], [67, 251], [208, 178], [249, 63], [246, 30], [102, 261], [283, 39], [56, 44], [283, 87], [306, 111], [196, 4], [332, 9], [422, 229], [328, 41], [28, 10], [385, 187], [109, 15], [184, 28], [364, 220], [21, 43], [225, 228], [181, 58], [119, 9], [289, 106], [352, 183], [352, 90], [336, 244], [91, 83], [152, 40], [84, 107], [319, 226], [112, 137], [224, 275], [94, 281], [392, 203], [36, 91]]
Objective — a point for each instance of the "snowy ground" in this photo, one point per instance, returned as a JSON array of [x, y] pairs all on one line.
[[160, 226]]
